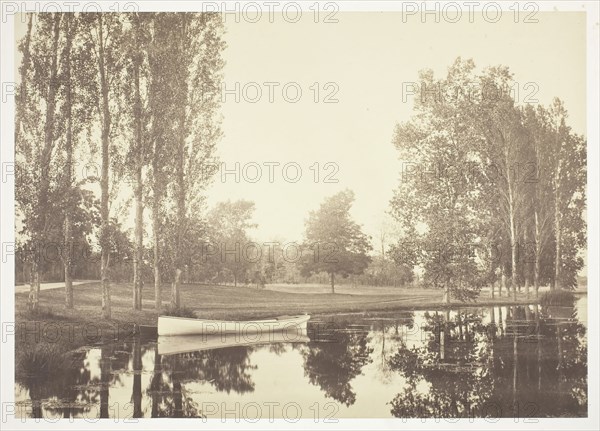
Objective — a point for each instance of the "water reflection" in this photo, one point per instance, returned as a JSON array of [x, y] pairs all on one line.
[[489, 362]]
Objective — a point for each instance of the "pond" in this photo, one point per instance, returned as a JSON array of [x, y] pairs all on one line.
[[508, 361]]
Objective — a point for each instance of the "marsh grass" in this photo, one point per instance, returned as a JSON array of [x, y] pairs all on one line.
[[41, 360]]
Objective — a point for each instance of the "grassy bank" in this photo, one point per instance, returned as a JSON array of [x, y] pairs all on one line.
[[228, 302], [84, 324]]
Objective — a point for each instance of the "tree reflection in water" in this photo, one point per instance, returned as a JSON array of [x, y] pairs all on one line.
[[515, 368], [333, 362], [226, 370], [495, 362]]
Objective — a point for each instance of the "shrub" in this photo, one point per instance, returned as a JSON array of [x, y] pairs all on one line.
[[558, 297], [179, 312]]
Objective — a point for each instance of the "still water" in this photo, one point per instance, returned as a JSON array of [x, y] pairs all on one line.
[[523, 361]]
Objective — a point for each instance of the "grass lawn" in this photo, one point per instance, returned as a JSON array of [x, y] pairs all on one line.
[[84, 325], [228, 302]]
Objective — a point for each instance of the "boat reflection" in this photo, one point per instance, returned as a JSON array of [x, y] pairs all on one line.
[[177, 344]]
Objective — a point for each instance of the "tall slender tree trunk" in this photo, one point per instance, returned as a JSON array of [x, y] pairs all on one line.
[[526, 263], [175, 301], [138, 188], [557, 227], [181, 224], [104, 214], [332, 277], [513, 236], [68, 240], [538, 252], [21, 109], [180, 169], [156, 234], [138, 261], [39, 234]]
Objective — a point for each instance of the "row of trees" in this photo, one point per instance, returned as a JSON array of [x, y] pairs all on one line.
[[136, 91], [490, 190]]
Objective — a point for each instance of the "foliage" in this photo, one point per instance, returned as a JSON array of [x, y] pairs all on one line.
[[181, 311], [333, 242], [489, 189], [228, 253]]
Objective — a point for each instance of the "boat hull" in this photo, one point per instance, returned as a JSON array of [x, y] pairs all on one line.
[[168, 325]]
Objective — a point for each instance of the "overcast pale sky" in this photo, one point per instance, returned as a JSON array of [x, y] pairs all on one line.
[[368, 56], [365, 58]]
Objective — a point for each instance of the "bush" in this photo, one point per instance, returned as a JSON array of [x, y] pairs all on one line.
[[558, 297], [179, 312]]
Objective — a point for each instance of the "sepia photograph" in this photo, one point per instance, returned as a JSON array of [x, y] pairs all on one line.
[[288, 214]]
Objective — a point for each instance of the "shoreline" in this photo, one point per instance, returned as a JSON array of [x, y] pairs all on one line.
[[218, 303]]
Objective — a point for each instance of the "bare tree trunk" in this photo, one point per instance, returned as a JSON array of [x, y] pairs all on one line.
[[138, 189], [21, 107], [68, 240], [513, 238], [557, 235], [332, 276], [526, 264], [139, 242], [175, 302], [557, 227], [180, 178], [538, 251], [104, 214], [156, 234]]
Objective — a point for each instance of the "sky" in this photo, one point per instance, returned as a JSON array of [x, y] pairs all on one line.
[[367, 57], [360, 64]]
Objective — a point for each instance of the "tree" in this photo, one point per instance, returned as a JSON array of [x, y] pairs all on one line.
[[230, 249], [36, 134], [537, 129], [104, 33], [135, 90], [69, 34], [568, 185], [76, 114], [437, 202], [501, 125], [162, 66], [198, 45], [337, 244]]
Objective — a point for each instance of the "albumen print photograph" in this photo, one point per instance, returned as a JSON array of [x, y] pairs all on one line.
[[299, 213]]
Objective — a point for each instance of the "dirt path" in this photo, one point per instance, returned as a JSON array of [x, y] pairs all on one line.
[[48, 286]]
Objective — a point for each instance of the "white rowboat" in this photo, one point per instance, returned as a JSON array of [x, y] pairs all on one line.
[[168, 325]]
